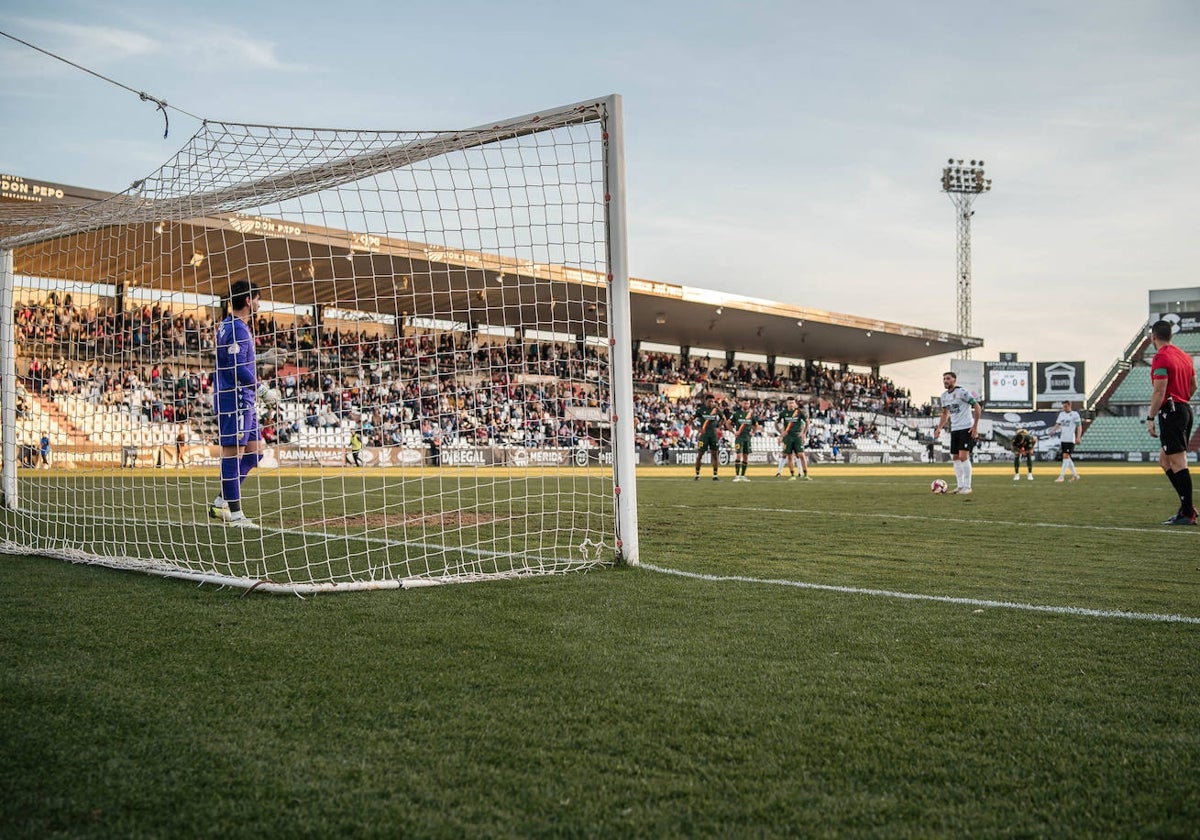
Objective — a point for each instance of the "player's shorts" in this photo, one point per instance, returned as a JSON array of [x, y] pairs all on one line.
[[708, 443], [1067, 447], [792, 446], [238, 427], [1175, 428], [742, 446], [961, 441]]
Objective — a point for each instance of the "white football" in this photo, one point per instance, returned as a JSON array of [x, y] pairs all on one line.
[[938, 485], [271, 396]]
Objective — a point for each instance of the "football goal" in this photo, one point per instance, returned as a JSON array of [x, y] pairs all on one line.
[[441, 342]]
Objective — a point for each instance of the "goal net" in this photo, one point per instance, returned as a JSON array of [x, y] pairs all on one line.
[[441, 339]]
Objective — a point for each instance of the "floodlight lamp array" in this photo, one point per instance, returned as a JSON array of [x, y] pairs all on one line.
[[965, 177]]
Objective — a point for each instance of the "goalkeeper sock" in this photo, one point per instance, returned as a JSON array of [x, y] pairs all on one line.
[[231, 482], [247, 462]]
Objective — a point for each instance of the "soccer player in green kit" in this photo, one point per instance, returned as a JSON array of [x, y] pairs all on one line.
[[711, 420], [792, 422], [744, 423]]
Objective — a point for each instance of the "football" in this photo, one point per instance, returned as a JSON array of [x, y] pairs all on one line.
[[938, 485], [271, 397]]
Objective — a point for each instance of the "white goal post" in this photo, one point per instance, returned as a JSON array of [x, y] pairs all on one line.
[[442, 353]]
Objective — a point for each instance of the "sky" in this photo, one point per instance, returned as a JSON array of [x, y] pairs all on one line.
[[790, 148]]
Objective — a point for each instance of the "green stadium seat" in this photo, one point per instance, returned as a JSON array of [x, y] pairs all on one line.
[[1117, 434], [1188, 342], [1134, 388]]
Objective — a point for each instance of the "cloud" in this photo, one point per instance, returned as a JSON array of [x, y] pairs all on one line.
[[195, 44], [226, 48], [81, 43]]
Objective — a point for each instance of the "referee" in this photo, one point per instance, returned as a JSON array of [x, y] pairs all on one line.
[[1174, 381]]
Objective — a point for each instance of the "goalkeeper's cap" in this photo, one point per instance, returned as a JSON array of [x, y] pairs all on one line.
[[240, 292]]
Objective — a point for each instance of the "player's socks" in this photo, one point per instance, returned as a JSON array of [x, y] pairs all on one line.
[[247, 462], [231, 482]]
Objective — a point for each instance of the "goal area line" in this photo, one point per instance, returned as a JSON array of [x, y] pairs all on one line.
[[944, 599], [957, 520]]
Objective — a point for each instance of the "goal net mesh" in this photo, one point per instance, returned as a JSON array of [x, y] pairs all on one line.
[[434, 318]]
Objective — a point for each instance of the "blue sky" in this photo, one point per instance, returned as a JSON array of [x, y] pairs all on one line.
[[790, 150]]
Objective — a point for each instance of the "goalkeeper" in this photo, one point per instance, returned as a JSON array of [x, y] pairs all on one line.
[[235, 388]]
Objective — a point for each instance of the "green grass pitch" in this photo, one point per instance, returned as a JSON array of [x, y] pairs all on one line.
[[848, 657]]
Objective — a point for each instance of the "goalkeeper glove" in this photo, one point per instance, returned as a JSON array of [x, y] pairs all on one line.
[[272, 356], [267, 395]]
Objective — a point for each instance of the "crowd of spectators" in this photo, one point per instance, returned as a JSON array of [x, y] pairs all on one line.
[[851, 390], [442, 387], [59, 327]]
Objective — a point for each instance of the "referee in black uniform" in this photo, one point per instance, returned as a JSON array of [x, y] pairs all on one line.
[[1173, 377]]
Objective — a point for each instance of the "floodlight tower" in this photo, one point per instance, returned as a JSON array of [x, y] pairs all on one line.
[[964, 183]]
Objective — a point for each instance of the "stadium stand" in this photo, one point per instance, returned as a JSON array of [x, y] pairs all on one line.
[[1120, 401], [1132, 390], [146, 382], [1117, 434], [1188, 342]]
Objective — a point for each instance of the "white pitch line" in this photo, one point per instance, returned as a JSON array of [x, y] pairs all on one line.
[[944, 599], [1162, 529]]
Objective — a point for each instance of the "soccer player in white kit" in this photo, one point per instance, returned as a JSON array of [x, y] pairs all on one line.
[[1069, 426], [962, 411]]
